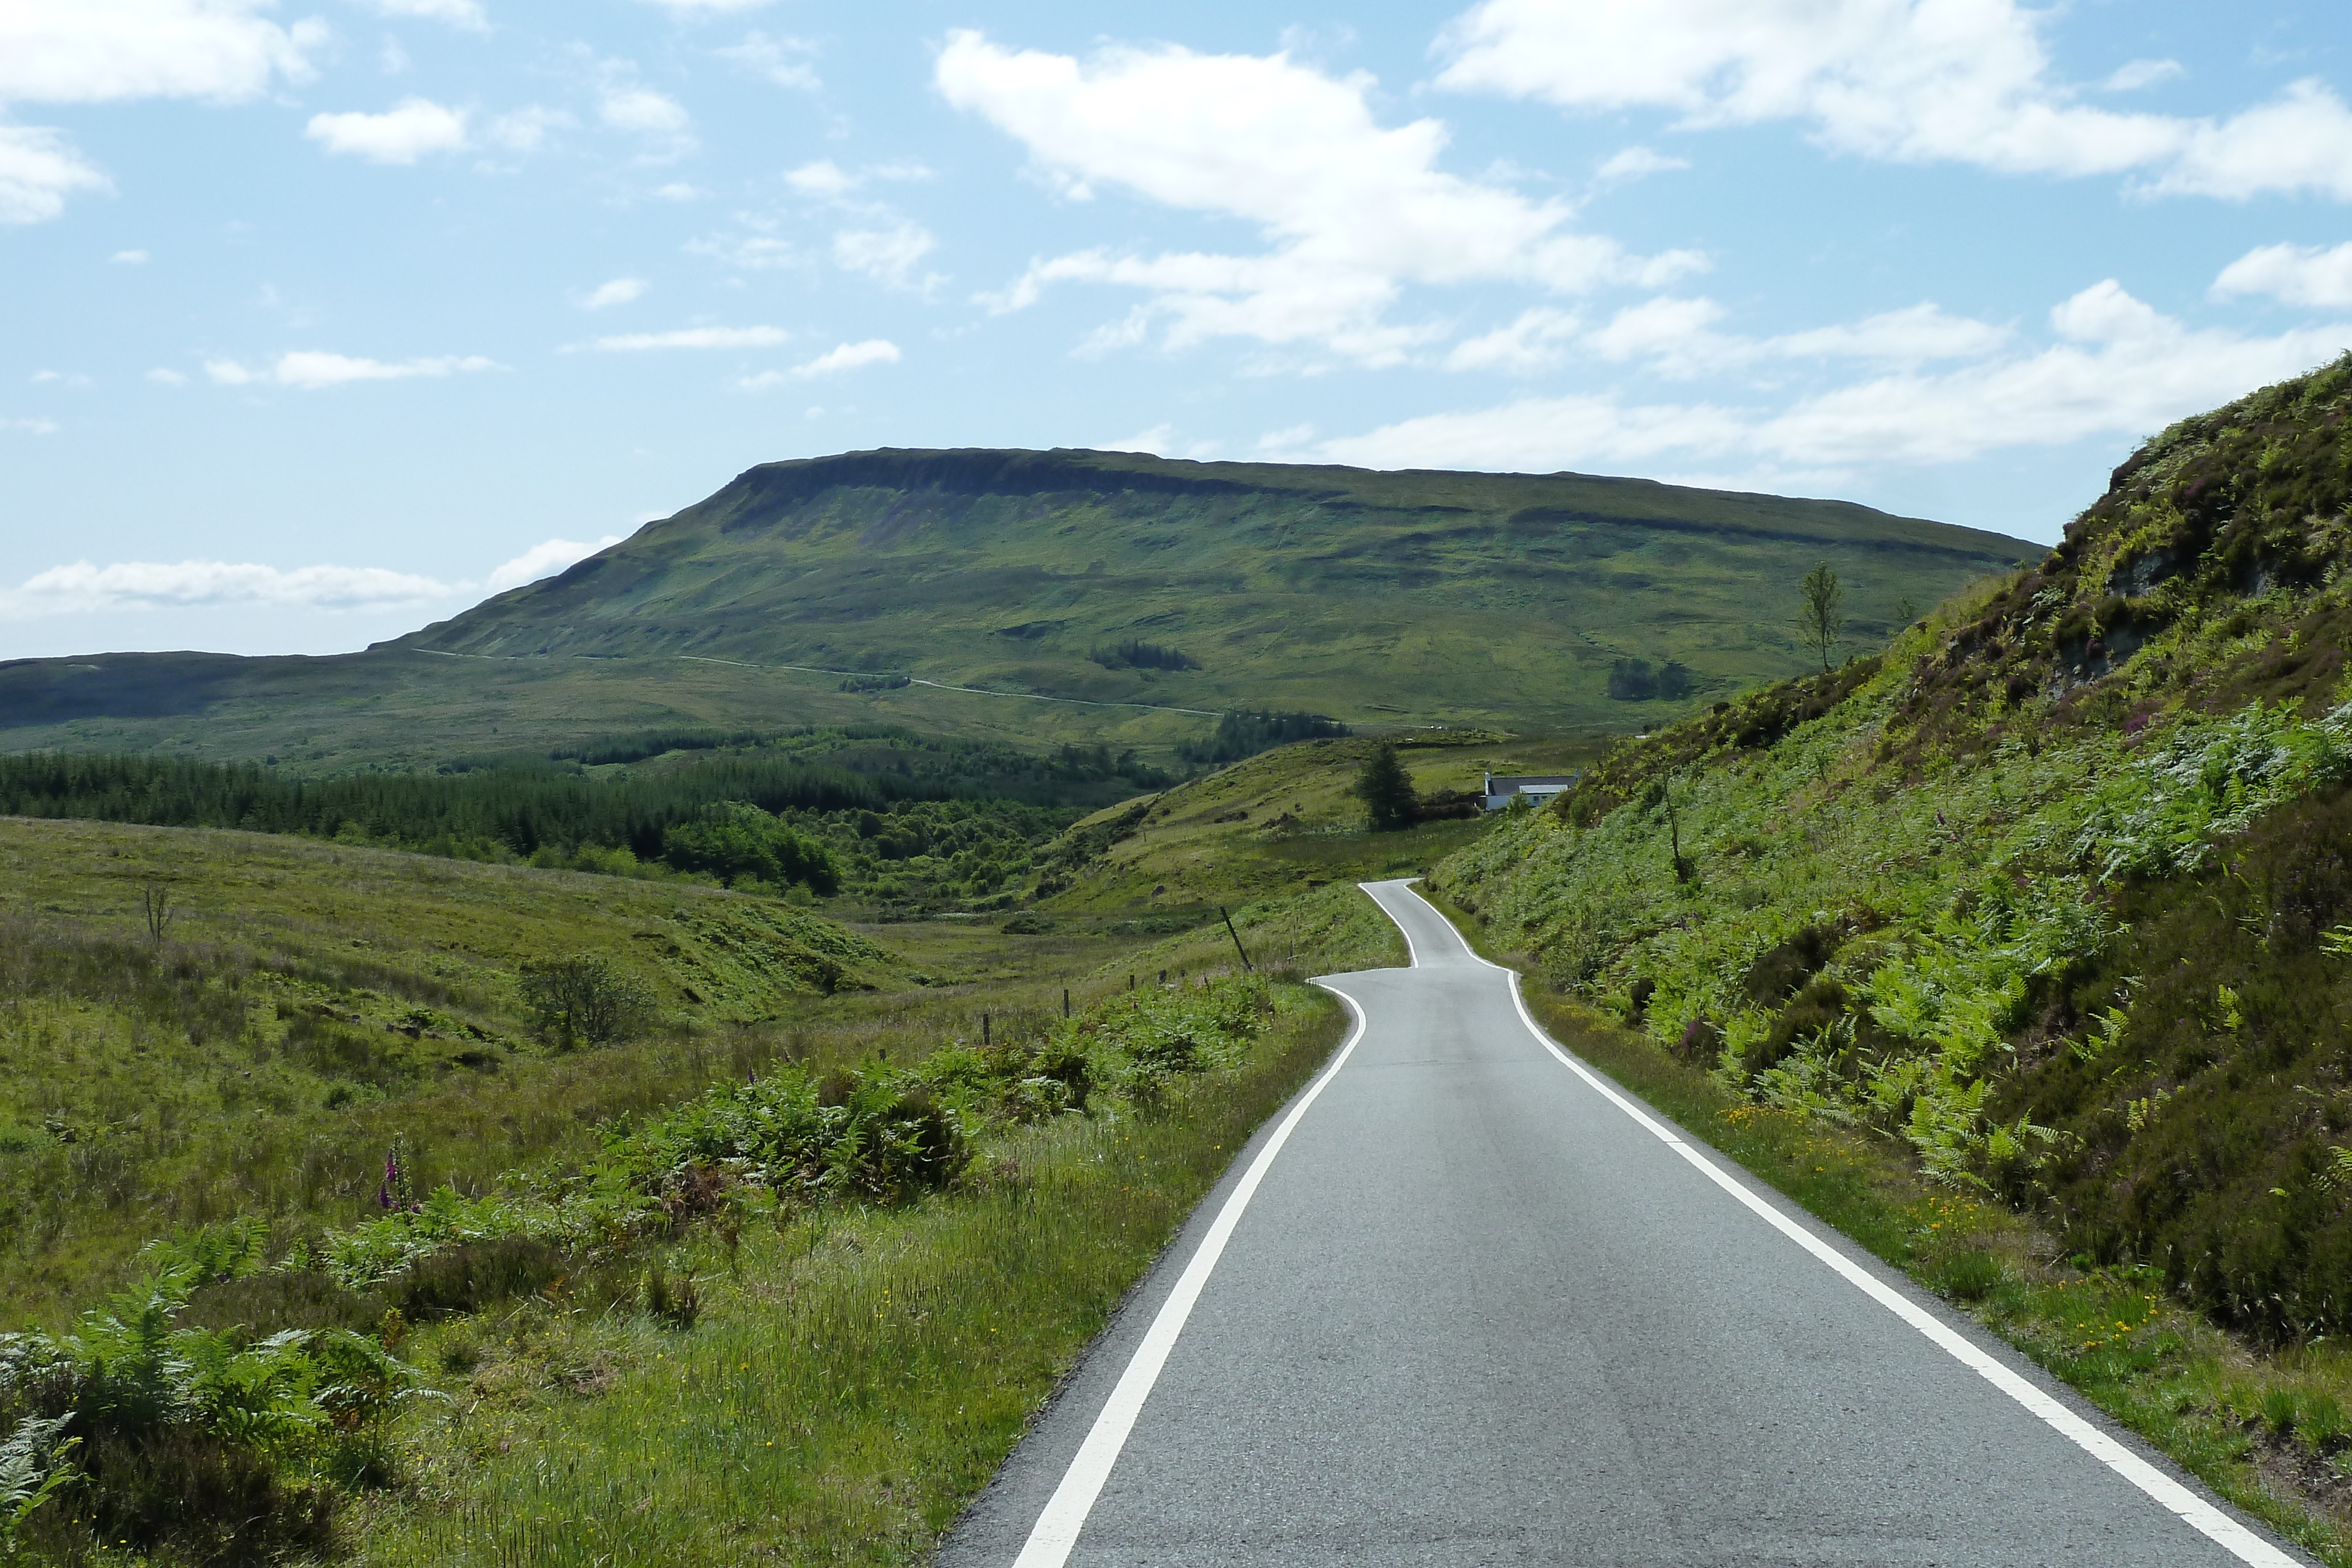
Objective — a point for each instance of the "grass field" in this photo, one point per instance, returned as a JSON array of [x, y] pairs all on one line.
[[1264, 827], [858, 1368]]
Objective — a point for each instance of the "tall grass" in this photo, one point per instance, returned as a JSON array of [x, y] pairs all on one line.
[[857, 1376]]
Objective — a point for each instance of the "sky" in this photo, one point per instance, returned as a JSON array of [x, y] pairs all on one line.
[[325, 318]]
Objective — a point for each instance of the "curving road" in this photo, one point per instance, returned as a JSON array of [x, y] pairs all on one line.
[[1464, 1302]]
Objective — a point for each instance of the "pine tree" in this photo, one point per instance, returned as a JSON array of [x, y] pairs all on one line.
[[1386, 790]]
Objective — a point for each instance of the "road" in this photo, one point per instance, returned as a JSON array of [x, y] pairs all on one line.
[[1466, 1303]]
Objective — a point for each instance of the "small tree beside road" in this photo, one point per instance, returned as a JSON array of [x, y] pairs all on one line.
[[1386, 790]]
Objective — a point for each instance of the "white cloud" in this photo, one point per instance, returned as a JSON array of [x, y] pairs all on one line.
[[1350, 211], [403, 134], [1289, 439], [707, 7], [1154, 441], [1964, 81], [82, 588], [2121, 368], [526, 130], [887, 255], [784, 60], [1678, 338], [467, 13], [1631, 163], [2137, 74], [748, 253], [1536, 341], [693, 338], [834, 361], [310, 370], [39, 169], [130, 258], [824, 178], [30, 426], [113, 51], [2295, 274], [544, 560], [619, 291], [642, 111], [166, 377], [678, 191]]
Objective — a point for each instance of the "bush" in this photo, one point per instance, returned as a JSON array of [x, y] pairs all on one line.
[[585, 1000], [191, 1442]]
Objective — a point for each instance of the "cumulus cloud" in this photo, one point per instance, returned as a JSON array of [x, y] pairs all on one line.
[[1631, 163], [833, 361], [642, 109], [544, 559], [310, 370], [1350, 211], [748, 253], [39, 169], [465, 14], [2119, 367], [787, 61], [166, 377], [403, 134], [30, 426], [690, 338], [83, 587], [526, 130], [113, 51], [619, 291], [887, 255], [178, 585], [1536, 341], [1903, 81], [2133, 74], [1678, 338], [2292, 274], [130, 258]]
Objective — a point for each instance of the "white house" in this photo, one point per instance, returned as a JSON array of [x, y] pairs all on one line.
[[1536, 786]]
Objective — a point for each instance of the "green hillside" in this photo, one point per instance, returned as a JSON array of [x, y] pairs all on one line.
[[2058, 890], [869, 587]]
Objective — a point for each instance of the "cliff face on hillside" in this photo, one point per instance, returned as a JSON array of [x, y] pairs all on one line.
[[1416, 595], [2059, 888]]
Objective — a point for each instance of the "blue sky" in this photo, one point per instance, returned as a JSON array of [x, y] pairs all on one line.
[[324, 319]]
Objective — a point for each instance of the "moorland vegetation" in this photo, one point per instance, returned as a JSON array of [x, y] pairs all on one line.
[[2053, 891], [956, 592]]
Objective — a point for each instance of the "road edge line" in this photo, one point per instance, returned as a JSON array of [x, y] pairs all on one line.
[[2174, 1497], [1055, 1533]]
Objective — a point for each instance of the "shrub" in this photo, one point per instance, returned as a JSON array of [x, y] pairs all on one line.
[[585, 1000]]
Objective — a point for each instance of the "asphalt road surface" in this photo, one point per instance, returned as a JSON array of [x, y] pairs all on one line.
[[1464, 1302]]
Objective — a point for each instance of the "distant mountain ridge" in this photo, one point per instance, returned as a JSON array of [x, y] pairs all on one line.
[[1431, 594]]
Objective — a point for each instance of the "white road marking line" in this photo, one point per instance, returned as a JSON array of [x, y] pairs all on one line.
[[1056, 1530], [2215, 1525]]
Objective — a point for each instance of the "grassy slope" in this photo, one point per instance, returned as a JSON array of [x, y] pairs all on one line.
[[1390, 597], [260, 1059], [857, 1373], [1268, 825], [2041, 896]]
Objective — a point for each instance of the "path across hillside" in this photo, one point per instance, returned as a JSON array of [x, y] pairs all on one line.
[[1464, 1303]]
